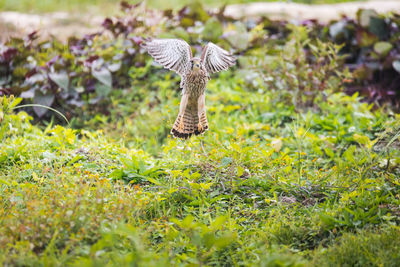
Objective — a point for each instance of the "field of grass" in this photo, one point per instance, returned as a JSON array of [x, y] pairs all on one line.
[[107, 6], [267, 186]]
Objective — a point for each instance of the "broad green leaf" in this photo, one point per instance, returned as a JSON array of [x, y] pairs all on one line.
[[218, 223], [187, 222], [44, 100], [329, 152], [378, 27], [224, 240], [14, 102], [103, 75], [103, 90], [2, 181], [212, 29], [337, 28], [349, 153], [117, 174], [383, 48], [114, 66], [362, 139], [238, 36], [61, 79], [364, 16]]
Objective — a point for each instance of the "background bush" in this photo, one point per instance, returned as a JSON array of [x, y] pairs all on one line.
[[82, 73]]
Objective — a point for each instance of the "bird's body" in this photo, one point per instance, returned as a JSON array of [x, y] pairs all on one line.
[[176, 55], [191, 121], [195, 83]]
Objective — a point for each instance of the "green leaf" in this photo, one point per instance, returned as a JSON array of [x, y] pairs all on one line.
[[378, 27], [103, 75], [329, 152], [383, 48], [212, 29], [2, 181], [362, 139], [153, 181], [187, 222], [103, 90], [15, 102], [115, 66], [337, 28], [75, 159], [239, 38], [365, 38], [327, 219], [224, 240], [61, 79], [43, 100], [218, 223], [226, 161], [396, 65], [239, 171], [364, 16], [349, 153], [117, 174]]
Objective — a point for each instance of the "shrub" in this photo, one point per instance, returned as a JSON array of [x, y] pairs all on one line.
[[82, 74]]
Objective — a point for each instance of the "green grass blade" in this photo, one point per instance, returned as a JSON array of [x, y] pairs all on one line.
[[41, 106]]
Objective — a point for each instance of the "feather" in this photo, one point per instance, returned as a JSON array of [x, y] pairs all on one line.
[[216, 59], [173, 54]]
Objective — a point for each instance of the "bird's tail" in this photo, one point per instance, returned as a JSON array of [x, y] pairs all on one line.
[[188, 124]]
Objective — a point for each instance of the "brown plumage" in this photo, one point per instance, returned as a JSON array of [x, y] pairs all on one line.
[[176, 55]]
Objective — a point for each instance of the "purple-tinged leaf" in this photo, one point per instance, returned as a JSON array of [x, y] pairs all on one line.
[[44, 100], [61, 79], [103, 75], [108, 24], [103, 90], [28, 94], [114, 66], [137, 40], [9, 54], [52, 61]]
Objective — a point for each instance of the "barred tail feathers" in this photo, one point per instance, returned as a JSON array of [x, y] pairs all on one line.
[[188, 124], [204, 122]]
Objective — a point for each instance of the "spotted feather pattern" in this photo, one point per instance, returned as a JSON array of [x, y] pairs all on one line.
[[176, 55], [173, 54], [216, 59]]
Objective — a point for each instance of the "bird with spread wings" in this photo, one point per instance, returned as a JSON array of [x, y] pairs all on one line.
[[176, 55]]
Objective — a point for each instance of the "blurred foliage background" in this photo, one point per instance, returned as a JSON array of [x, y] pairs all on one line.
[[105, 6]]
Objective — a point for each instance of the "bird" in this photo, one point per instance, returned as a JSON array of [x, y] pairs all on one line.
[[176, 55]]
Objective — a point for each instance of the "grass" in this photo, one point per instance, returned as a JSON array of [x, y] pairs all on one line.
[[287, 175], [109, 6], [267, 186]]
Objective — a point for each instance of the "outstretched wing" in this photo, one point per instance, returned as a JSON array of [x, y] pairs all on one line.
[[173, 54], [216, 59]]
